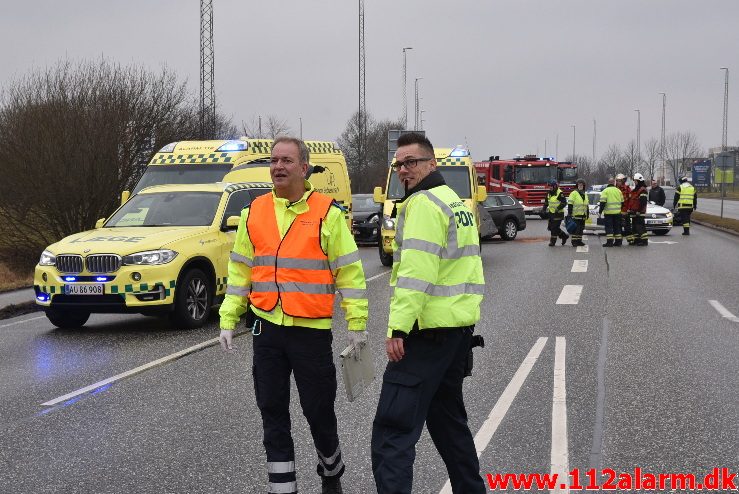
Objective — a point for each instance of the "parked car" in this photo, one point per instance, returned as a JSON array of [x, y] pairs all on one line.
[[366, 215], [507, 214], [658, 219]]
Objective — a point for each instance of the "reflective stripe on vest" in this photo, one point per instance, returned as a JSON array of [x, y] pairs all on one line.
[[687, 195], [554, 201], [579, 204], [292, 270]]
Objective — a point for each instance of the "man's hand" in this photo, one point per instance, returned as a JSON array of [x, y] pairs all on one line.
[[394, 347], [226, 339], [357, 339]]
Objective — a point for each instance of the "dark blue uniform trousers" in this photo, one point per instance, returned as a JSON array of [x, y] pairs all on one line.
[[425, 386], [279, 351]]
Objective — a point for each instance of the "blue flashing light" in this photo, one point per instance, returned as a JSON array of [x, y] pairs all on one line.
[[70, 278], [42, 297], [459, 152], [101, 278], [232, 146]]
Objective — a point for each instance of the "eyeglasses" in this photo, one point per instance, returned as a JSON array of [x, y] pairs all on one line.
[[409, 164]]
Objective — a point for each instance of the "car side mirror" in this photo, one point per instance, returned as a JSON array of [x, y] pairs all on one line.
[[99, 223], [232, 223], [482, 193], [378, 196]]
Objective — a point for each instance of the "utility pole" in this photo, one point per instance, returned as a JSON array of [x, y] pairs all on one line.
[[207, 91], [422, 120], [556, 147], [573, 143], [301, 127], [415, 125], [260, 127], [724, 135], [405, 86], [638, 138], [545, 148], [662, 139], [594, 134], [362, 112]]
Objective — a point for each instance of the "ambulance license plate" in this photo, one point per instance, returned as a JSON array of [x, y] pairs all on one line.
[[96, 289]]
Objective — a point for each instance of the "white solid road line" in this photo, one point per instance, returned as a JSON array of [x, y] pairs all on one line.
[[560, 456], [378, 275], [580, 266], [582, 248], [570, 295], [21, 322], [132, 372], [485, 434], [723, 311]]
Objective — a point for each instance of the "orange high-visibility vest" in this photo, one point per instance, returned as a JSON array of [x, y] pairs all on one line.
[[293, 270]]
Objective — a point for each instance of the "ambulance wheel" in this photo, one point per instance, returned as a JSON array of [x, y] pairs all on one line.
[[67, 319], [385, 258], [192, 301]]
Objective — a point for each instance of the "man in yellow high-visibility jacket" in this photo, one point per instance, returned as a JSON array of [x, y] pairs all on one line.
[[685, 201], [293, 251], [439, 284]]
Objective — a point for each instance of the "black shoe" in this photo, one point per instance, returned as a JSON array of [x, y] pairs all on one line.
[[564, 239], [686, 233], [552, 241], [331, 485], [609, 243]]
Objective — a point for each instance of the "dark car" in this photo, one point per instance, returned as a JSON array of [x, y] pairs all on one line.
[[366, 215], [507, 214]]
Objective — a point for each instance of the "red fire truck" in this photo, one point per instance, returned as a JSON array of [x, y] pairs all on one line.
[[526, 178]]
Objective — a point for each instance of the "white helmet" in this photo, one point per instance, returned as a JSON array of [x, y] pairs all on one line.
[[638, 177], [620, 176]]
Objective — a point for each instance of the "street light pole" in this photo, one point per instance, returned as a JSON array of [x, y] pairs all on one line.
[[594, 134], [638, 137], [724, 134], [405, 85], [415, 125], [662, 141], [573, 143]]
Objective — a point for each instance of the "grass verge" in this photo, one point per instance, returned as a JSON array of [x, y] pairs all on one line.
[[12, 280], [730, 196], [15, 310], [725, 223]]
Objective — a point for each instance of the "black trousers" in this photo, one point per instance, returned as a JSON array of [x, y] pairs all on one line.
[[425, 386], [554, 226], [612, 223], [626, 227], [577, 235], [640, 228], [306, 352], [685, 218]]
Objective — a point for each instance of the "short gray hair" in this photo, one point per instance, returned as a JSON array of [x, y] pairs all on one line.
[[302, 148]]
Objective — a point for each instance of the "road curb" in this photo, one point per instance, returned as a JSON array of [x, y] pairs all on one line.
[[714, 227], [15, 310]]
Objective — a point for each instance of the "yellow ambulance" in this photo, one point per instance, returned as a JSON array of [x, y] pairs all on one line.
[[458, 170], [244, 160], [164, 252]]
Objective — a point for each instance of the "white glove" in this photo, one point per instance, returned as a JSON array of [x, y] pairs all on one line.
[[357, 339], [226, 339]]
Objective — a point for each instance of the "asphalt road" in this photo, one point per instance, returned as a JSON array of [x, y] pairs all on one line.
[[713, 206], [641, 372]]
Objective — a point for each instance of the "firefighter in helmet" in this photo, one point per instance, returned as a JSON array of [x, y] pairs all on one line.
[[625, 219], [638, 210]]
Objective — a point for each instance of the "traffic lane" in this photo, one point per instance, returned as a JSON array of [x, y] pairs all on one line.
[[671, 361], [199, 409], [713, 206], [39, 362]]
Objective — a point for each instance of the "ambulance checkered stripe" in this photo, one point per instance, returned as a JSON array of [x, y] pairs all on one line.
[[192, 159]]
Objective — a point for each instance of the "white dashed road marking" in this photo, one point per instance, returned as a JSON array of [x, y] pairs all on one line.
[[723, 311], [378, 275], [580, 266], [21, 322], [582, 248], [570, 295], [560, 455], [485, 434]]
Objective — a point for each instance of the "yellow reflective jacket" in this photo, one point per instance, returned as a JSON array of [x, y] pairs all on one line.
[[343, 256], [437, 269]]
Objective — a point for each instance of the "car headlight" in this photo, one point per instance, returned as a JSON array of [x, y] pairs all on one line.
[[47, 259], [374, 219], [388, 223], [150, 257], [669, 214]]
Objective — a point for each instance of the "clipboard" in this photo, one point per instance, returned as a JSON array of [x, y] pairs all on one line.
[[358, 370]]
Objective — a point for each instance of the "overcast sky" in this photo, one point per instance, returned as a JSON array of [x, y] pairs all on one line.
[[502, 76]]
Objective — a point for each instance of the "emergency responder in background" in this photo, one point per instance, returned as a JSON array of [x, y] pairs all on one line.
[[556, 202], [611, 201], [293, 250], [577, 208], [638, 210], [657, 194], [686, 201], [438, 279], [626, 230]]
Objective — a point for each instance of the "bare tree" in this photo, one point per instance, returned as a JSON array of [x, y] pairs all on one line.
[[680, 149], [268, 127], [610, 162], [630, 160], [651, 157], [75, 135]]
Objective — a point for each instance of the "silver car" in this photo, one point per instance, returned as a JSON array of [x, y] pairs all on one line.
[[658, 219]]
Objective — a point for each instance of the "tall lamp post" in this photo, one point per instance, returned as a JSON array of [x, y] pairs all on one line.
[[662, 138], [724, 134], [638, 137], [418, 114], [405, 85], [573, 143]]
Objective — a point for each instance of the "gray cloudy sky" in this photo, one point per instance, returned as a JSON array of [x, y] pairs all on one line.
[[502, 75]]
